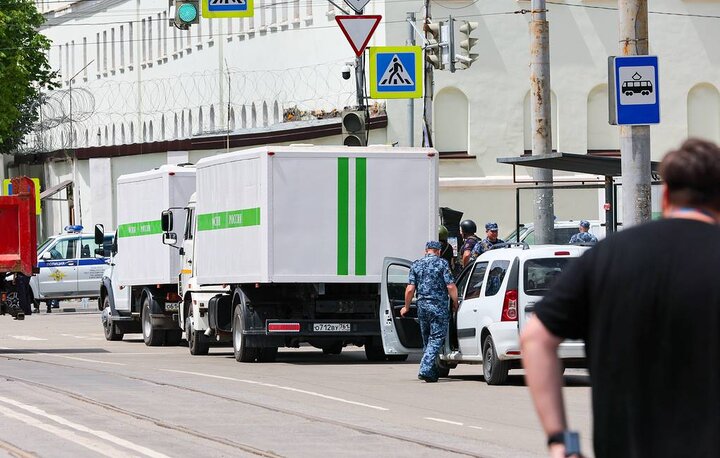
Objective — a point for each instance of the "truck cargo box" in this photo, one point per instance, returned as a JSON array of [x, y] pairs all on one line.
[[18, 235], [141, 198], [308, 214]]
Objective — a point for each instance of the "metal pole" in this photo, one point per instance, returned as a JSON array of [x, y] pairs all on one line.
[[411, 102], [429, 90], [541, 118], [359, 79], [609, 227], [634, 140]]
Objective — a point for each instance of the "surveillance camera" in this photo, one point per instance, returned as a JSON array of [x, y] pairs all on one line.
[[346, 72]]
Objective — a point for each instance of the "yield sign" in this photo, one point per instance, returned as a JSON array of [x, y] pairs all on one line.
[[358, 30]]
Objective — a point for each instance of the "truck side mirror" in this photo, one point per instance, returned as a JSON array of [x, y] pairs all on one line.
[[99, 234], [166, 221], [170, 238]]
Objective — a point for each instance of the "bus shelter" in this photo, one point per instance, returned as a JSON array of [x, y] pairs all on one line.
[[605, 166]]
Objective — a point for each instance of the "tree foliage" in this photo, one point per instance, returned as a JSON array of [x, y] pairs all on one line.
[[24, 70]]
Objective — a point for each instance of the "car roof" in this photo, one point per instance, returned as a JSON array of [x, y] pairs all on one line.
[[533, 252]]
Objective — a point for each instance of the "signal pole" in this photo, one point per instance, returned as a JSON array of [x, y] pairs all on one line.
[[411, 102], [541, 118], [429, 89], [634, 140]]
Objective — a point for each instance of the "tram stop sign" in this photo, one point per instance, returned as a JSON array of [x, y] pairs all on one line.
[[634, 95]]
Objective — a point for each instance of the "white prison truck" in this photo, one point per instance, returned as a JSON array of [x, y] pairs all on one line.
[[139, 292], [292, 241]]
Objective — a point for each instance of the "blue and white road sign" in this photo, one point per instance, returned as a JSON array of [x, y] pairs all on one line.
[[227, 8], [396, 72], [634, 90]]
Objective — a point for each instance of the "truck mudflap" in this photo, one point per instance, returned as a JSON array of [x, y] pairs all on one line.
[[319, 328]]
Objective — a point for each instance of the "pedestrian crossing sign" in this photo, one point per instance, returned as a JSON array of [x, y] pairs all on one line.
[[396, 72], [227, 8]]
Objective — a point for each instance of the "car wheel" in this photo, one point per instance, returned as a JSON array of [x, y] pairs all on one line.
[[110, 328], [196, 340], [495, 371], [152, 337], [243, 353]]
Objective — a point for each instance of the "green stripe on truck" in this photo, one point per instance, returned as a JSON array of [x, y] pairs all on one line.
[[343, 215], [140, 229], [360, 216], [228, 220]]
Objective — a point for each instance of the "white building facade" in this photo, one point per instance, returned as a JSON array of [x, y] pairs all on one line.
[[144, 91]]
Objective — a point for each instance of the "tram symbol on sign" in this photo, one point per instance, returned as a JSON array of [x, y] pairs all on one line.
[[228, 2], [637, 86], [395, 74]]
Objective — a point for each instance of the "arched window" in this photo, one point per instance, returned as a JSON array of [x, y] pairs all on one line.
[[175, 127], [107, 135], [113, 135], [201, 125], [276, 113], [144, 132], [450, 111], [253, 115], [132, 132], [212, 118], [162, 128], [151, 132], [600, 134], [87, 137], [243, 118], [528, 122], [182, 123], [264, 114], [122, 134], [99, 137], [703, 107], [190, 124], [231, 122]]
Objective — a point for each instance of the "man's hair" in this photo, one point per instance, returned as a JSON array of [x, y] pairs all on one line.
[[692, 174]]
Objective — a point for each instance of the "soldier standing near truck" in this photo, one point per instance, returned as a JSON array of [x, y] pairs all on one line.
[[430, 276]]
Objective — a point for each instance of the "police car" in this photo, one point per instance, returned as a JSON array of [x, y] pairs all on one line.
[[68, 266], [497, 294]]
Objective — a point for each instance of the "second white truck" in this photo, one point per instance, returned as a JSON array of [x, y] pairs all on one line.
[[285, 245]]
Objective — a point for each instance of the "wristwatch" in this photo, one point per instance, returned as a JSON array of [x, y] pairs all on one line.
[[557, 438]]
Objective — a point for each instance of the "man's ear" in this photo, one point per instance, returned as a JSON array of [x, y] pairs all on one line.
[[665, 200]]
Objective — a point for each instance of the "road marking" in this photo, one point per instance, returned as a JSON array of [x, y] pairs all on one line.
[[476, 427], [280, 387], [27, 338], [81, 359], [16, 452], [440, 420], [100, 447]]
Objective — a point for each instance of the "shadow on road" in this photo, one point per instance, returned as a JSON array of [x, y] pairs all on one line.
[[572, 380]]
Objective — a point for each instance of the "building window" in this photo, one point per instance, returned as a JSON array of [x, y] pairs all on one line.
[[263, 15], [162, 34], [60, 65], [72, 58], [68, 66], [122, 46], [97, 50], [296, 10], [112, 48], [85, 62], [131, 44], [212, 118], [150, 39], [450, 112], [601, 136], [703, 108], [308, 9], [144, 42]]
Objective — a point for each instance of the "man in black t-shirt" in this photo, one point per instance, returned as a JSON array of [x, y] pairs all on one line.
[[647, 303]]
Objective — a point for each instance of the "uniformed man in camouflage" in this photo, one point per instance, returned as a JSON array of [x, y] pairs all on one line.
[[486, 244], [583, 236], [431, 280]]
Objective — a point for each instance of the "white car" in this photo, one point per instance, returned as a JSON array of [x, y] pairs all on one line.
[[562, 232], [497, 295]]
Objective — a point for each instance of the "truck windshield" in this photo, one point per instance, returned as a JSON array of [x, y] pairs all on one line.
[[540, 274]]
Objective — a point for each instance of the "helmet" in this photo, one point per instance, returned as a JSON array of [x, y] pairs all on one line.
[[442, 233], [468, 226]]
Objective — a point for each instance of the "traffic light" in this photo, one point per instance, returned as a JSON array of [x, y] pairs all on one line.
[[354, 128], [466, 57], [187, 12], [433, 50]]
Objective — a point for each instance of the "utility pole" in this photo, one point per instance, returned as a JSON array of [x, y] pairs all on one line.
[[634, 140], [360, 79], [429, 88], [411, 102], [541, 118]]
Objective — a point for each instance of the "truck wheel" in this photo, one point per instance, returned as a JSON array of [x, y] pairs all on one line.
[[267, 354], [495, 370], [243, 353], [173, 337], [196, 340], [152, 337], [111, 330]]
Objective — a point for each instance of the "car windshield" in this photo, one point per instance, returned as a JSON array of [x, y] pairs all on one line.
[[45, 244], [540, 274]]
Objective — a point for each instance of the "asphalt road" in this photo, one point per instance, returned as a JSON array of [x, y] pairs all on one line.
[[67, 392]]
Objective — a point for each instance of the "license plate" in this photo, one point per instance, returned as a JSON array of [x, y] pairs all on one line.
[[331, 327]]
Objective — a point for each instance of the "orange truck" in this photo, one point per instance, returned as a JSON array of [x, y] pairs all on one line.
[[18, 244]]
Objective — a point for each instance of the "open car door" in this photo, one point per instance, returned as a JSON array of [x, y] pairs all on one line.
[[400, 335]]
